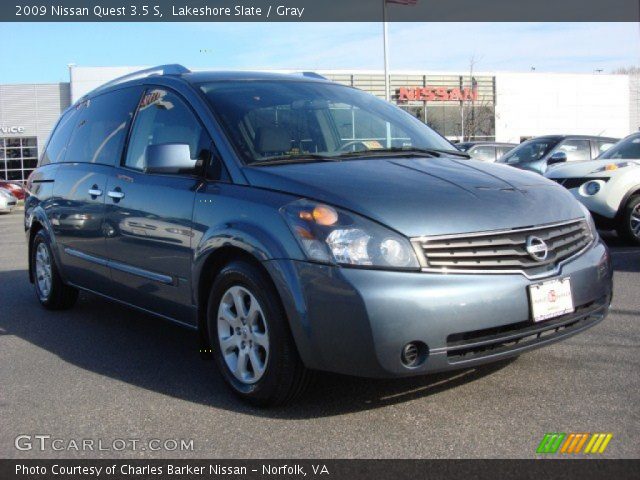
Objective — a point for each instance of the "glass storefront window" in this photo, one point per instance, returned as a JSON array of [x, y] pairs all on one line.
[[18, 157], [13, 153]]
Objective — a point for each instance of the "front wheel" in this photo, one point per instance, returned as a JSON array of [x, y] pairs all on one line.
[[250, 337], [51, 291], [629, 223]]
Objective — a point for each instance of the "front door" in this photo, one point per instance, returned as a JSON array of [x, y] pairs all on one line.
[[149, 216]]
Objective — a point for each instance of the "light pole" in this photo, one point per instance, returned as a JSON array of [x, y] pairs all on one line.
[[385, 33]]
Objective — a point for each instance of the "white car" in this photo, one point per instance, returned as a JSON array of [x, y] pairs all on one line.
[[7, 201], [608, 186]]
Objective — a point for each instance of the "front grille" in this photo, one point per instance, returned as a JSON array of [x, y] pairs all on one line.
[[504, 251], [476, 344]]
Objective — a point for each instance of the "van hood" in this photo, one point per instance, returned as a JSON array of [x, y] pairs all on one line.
[[426, 196]]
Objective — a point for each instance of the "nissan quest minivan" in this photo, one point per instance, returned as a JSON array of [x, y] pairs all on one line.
[[301, 225]]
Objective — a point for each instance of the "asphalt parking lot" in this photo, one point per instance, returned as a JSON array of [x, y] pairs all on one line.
[[103, 372]]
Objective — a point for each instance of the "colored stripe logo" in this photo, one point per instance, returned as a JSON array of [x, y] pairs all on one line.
[[574, 443]]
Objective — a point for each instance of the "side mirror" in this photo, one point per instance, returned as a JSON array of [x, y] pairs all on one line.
[[557, 157], [169, 158]]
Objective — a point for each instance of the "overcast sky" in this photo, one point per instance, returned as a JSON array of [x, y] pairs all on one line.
[[35, 52]]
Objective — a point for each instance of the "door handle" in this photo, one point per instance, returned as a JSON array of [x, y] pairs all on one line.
[[116, 194], [95, 192]]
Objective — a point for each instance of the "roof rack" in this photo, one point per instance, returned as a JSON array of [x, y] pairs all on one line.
[[311, 75], [171, 69]]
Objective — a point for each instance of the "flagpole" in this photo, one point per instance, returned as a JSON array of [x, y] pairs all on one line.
[[387, 94]]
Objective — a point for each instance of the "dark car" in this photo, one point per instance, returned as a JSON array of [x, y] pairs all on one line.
[[16, 189], [300, 225], [486, 151], [539, 153]]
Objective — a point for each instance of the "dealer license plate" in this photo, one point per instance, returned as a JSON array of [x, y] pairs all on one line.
[[550, 299]]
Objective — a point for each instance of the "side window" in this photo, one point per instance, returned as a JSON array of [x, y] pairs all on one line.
[[57, 145], [102, 127], [576, 150], [603, 146], [164, 118], [484, 153], [502, 151]]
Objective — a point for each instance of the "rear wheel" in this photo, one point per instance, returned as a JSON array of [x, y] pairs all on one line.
[[250, 337], [629, 223], [52, 293]]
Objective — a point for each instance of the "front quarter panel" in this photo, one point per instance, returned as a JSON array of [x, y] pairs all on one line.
[[245, 218]]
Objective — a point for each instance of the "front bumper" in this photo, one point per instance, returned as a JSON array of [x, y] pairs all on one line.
[[356, 321]]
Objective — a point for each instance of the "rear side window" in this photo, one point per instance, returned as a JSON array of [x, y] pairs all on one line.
[[484, 153], [602, 146], [101, 127], [576, 150], [57, 145], [502, 151]]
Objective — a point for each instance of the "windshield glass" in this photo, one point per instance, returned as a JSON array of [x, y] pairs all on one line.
[[628, 148], [270, 121], [530, 151]]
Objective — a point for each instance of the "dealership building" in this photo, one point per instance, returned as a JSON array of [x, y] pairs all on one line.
[[500, 106]]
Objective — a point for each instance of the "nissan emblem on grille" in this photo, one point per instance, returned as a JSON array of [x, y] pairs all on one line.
[[537, 248], [535, 251]]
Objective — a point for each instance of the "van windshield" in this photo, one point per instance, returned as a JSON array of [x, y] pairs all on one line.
[[627, 149], [288, 120]]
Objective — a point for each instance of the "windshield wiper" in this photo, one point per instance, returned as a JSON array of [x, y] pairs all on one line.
[[303, 158], [455, 153], [412, 151], [381, 152]]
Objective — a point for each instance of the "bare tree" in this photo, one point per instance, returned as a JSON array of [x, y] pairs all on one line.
[[630, 70], [477, 115]]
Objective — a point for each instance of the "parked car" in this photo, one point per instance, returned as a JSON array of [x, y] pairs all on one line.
[[609, 186], [15, 188], [7, 201], [539, 153], [301, 249], [486, 151]]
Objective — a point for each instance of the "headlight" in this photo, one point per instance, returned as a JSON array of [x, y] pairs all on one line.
[[591, 187], [331, 235], [591, 224]]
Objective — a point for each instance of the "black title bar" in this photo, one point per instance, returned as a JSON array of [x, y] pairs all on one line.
[[319, 11], [316, 469]]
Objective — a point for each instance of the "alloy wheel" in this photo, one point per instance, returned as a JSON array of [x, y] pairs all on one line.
[[634, 221], [243, 334], [44, 276]]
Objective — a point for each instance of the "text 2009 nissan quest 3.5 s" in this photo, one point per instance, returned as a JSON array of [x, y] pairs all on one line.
[[303, 225]]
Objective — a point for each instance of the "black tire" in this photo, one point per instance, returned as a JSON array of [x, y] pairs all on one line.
[[285, 376], [624, 227], [59, 296]]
